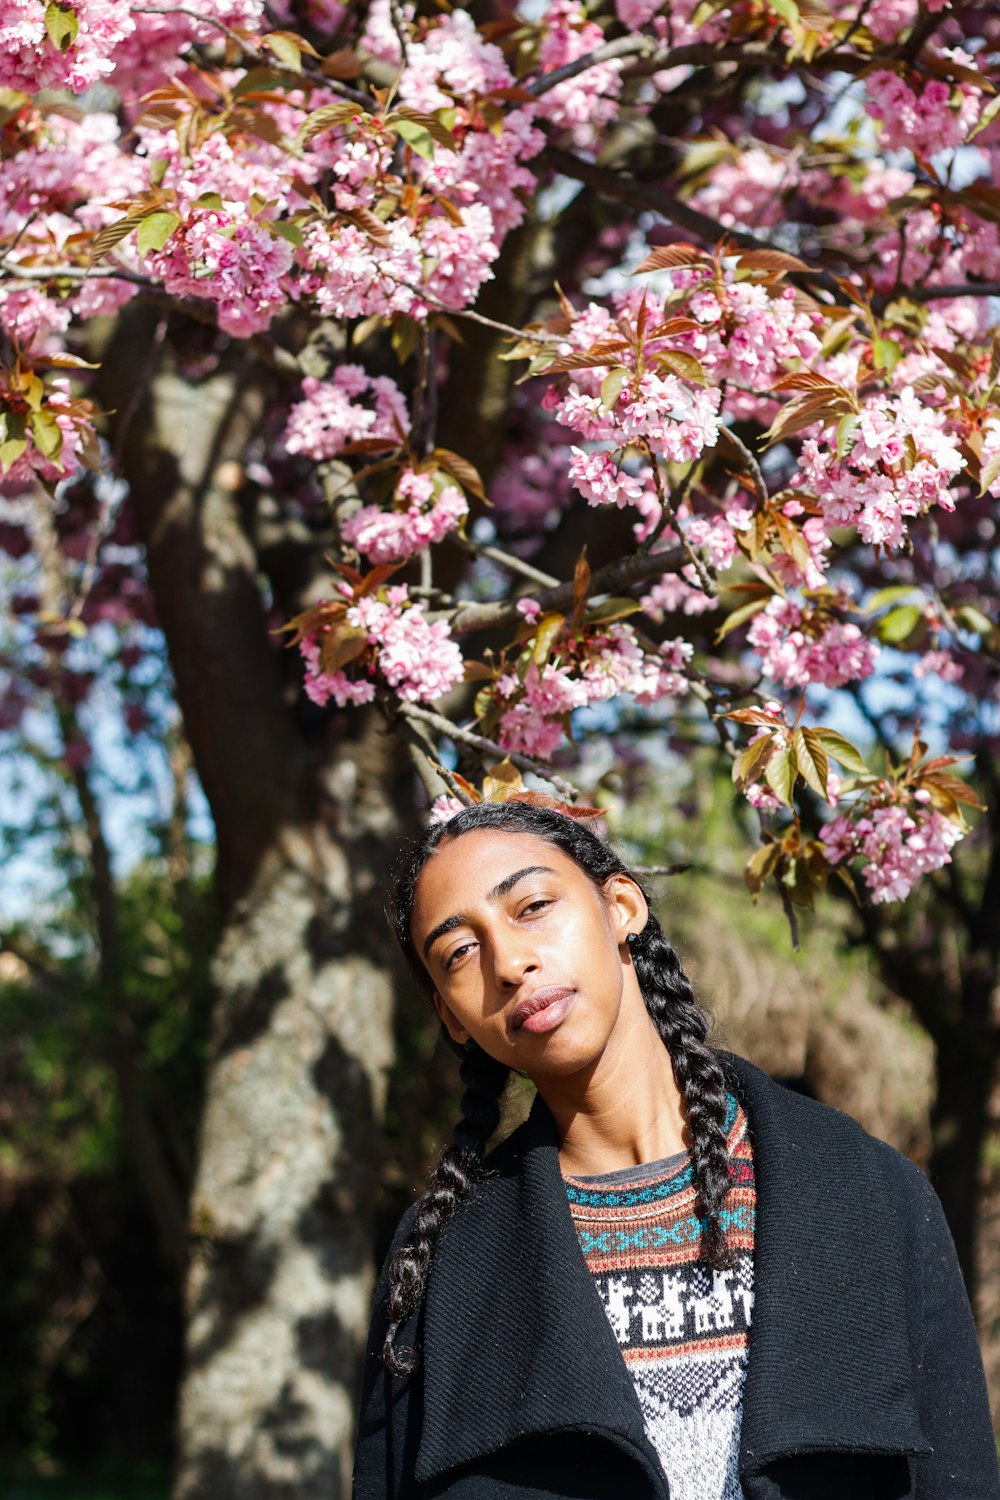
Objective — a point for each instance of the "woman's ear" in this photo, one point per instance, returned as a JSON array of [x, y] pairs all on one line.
[[450, 1021], [627, 906]]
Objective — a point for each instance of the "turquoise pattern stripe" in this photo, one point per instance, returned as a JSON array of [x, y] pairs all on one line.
[[684, 1232]]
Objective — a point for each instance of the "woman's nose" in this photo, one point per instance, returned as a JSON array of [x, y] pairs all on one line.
[[512, 963]]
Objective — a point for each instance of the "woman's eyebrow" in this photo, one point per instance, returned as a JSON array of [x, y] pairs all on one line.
[[501, 889]]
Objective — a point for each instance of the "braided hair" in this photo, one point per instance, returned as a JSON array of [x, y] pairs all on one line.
[[681, 1023]]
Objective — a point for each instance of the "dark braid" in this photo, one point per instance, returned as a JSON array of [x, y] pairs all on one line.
[[680, 1021], [683, 1027], [459, 1166]]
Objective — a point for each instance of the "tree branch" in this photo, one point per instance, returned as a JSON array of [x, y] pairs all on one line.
[[607, 580], [623, 46], [488, 747]]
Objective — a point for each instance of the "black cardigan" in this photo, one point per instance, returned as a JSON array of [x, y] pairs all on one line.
[[864, 1378]]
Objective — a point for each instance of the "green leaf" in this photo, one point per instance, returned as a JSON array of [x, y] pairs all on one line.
[[886, 354], [210, 200], [749, 761], [990, 473], [787, 10], [286, 229], [845, 433], [47, 433], [285, 50], [611, 386], [417, 137], [741, 615], [780, 774], [13, 443], [62, 27], [888, 595], [546, 632], [760, 866], [898, 624], [813, 762], [973, 619], [684, 365], [155, 230], [841, 750], [326, 118]]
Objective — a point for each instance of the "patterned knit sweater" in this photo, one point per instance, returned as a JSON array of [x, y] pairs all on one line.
[[682, 1327]]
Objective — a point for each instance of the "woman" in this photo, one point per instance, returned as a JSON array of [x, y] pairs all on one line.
[[676, 1278]]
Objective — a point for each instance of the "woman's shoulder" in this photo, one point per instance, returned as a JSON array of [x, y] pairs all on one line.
[[807, 1133]]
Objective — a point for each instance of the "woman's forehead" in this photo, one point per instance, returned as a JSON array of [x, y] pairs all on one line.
[[468, 868]]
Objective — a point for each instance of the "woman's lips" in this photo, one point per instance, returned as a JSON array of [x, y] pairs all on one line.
[[543, 1010]]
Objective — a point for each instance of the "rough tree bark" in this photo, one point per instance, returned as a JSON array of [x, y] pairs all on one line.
[[280, 1272]]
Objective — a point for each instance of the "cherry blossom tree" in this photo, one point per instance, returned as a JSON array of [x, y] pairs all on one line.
[[510, 367]]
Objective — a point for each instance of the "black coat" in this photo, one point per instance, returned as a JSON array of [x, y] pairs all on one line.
[[864, 1379]]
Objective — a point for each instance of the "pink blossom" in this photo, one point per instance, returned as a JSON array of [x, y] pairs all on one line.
[[940, 664], [927, 122], [760, 797], [746, 188], [828, 651], [388, 536], [585, 104], [30, 60], [330, 416], [443, 809]]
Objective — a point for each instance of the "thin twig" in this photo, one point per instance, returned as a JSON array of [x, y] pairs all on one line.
[[728, 436], [623, 46], [708, 583], [488, 747], [248, 54], [793, 921], [505, 560], [74, 273]]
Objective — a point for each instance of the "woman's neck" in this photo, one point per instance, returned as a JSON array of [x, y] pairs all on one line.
[[626, 1108]]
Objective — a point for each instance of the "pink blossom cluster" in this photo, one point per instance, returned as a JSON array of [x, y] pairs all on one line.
[[348, 407], [898, 843], [349, 275], [900, 464], [238, 264], [751, 335], [794, 652], [746, 188], [938, 118], [536, 704], [585, 105], [30, 60], [138, 49], [414, 657], [432, 509], [677, 593], [68, 173]]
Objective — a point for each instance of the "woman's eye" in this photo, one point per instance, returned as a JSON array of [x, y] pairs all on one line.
[[534, 906], [456, 954]]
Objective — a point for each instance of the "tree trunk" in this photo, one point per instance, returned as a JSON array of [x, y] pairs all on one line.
[[282, 1211]]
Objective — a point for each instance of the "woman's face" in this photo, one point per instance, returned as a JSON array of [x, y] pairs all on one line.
[[527, 956]]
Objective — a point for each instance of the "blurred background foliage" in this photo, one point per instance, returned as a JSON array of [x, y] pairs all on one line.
[[90, 1297]]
